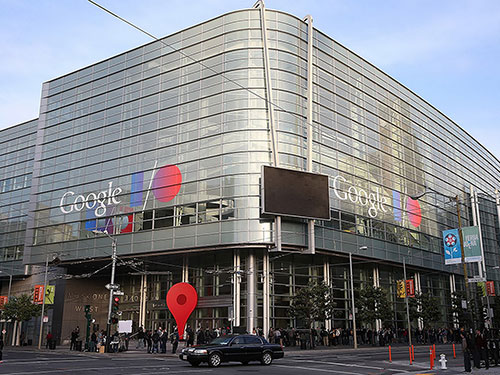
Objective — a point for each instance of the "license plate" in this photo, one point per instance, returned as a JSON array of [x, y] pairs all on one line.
[[184, 356]]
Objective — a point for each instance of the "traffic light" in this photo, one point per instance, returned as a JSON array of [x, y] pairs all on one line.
[[116, 304]]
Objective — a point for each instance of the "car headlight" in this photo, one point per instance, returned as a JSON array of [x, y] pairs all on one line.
[[200, 351]]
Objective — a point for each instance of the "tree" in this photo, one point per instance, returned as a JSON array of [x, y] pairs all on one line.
[[426, 307], [458, 314], [312, 303], [373, 304], [21, 309]]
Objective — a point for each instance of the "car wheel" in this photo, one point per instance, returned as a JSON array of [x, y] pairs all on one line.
[[194, 364], [214, 360], [267, 359]]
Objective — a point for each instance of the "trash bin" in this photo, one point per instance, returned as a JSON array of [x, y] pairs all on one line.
[[52, 344], [78, 346]]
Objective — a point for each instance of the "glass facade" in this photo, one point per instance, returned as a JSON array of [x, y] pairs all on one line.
[[17, 145], [162, 146]]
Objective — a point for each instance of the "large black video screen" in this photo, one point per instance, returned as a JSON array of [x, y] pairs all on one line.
[[287, 192]]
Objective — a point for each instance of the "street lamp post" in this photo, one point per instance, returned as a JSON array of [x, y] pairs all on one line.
[[113, 267], [407, 305], [8, 294], [455, 198], [354, 333], [43, 301]]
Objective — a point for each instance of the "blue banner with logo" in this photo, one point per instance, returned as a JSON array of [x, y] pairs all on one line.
[[452, 247]]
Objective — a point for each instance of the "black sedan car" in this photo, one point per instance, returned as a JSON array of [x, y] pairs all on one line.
[[240, 348]]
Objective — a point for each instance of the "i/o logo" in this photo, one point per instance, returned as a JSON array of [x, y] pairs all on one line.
[[413, 209]]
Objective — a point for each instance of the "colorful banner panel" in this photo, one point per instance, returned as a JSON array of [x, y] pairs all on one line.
[[472, 245], [452, 248]]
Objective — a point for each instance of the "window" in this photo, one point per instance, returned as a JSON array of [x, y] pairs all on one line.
[[254, 340]]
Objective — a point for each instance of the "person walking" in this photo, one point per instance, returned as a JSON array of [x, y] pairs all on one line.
[[466, 351]]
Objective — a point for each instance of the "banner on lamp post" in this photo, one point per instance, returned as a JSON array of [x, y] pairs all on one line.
[[472, 245], [452, 248]]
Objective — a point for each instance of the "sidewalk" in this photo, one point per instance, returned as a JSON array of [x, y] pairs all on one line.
[[293, 350]]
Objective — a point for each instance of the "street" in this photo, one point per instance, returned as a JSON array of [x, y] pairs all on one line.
[[364, 361]]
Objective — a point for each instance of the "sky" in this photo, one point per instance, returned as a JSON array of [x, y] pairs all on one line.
[[447, 51]]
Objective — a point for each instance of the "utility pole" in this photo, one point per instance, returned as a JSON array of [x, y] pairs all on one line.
[[43, 302], [111, 291]]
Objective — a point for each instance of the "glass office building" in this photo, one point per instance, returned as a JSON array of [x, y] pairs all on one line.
[[162, 147]]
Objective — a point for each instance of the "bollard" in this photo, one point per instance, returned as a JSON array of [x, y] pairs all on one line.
[[454, 355], [413, 353], [431, 357], [390, 355], [434, 350], [443, 362], [409, 350]]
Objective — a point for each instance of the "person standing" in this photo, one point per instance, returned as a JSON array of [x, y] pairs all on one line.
[[482, 349], [163, 340], [466, 351], [190, 336], [174, 339], [1, 348], [48, 340], [140, 338], [156, 340], [149, 340]]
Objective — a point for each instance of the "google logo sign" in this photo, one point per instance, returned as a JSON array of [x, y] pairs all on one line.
[[165, 184]]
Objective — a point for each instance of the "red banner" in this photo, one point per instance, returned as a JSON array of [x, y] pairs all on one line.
[[490, 288], [410, 288], [38, 294], [3, 301]]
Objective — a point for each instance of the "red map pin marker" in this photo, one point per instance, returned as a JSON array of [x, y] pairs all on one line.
[[181, 301]]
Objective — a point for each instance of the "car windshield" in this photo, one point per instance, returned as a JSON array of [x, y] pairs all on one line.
[[223, 340]]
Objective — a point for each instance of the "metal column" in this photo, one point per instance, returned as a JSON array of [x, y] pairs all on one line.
[[376, 284], [266, 279], [418, 290], [185, 269], [326, 277], [310, 223], [251, 292], [237, 289]]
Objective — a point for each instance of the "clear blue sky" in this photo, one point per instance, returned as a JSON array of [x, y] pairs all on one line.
[[446, 51]]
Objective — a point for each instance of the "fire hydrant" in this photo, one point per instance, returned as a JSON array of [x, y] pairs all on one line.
[[443, 361]]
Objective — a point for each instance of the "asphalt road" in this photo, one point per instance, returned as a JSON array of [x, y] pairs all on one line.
[[365, 361]]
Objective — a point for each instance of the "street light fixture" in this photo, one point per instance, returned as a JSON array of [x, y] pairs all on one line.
[[111, 290], [455, 198]]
